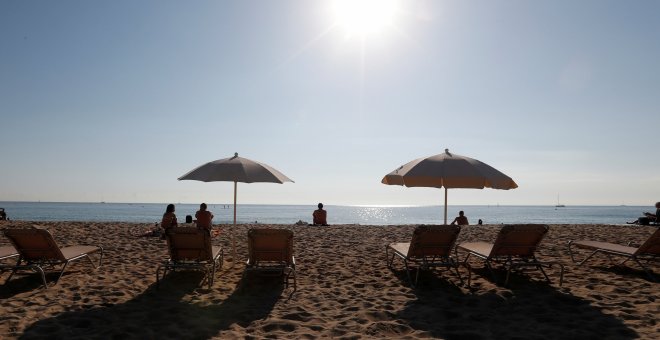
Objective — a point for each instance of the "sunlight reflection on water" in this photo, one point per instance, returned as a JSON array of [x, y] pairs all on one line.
[[337, 214]]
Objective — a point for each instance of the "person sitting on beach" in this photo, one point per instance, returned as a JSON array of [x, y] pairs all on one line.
[[169, 218], [203, 218], [654, 217], [3, 214], [648, 217], [319, 216], [461, 219]]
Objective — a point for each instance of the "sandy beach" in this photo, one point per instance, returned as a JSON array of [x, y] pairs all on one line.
[[345, 290]]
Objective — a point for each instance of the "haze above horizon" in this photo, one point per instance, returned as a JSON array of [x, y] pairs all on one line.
[[114, 100]]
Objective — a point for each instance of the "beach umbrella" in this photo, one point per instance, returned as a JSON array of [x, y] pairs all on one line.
[[235, 169], [449, 171]]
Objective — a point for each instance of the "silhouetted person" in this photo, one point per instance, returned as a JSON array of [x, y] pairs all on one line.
[[320, 216], [203, 217], [654, 217], [169, 218], [649, 217], [461, 219]]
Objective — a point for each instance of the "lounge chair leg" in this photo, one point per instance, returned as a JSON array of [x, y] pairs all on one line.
[[561, 274], [13, 271], [492, 273], [43, 276], [391, 263], [469, 269], [646, 270], [610, 258], [585, 260], [388, 259], [579, 263], [624, 261], [570, 251], [100, 258], [96, 266], [458, 273], [466, 258], [540, 267], [61, 272], [405, 263]]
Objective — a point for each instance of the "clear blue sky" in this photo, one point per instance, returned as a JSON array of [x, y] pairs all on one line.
[[114, 100]]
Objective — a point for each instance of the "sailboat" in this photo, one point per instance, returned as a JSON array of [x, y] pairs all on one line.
[[559, 205]]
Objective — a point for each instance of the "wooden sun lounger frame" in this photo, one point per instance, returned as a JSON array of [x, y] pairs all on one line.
[[7, 252], [648, 251], [37, 249], [510, 252], [190, 248], [271, 250], [429, 248]]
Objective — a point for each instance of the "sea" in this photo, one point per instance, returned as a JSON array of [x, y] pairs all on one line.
[[337, 214]]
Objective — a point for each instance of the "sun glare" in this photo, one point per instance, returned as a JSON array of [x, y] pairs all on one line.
[[365, 17]]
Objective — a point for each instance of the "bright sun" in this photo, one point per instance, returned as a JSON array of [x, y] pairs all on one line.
[[365, 17]]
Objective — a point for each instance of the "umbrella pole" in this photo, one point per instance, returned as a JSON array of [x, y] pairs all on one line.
[[235, 187], [445, 205], [233, 240]]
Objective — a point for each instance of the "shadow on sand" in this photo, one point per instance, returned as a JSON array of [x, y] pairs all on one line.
[[25, 281], [142, 317], [528, 308]]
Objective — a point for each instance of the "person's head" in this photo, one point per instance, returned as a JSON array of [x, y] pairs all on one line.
[[202, 206], [320, 205], [170, 208], [461, 213], [657, 205]]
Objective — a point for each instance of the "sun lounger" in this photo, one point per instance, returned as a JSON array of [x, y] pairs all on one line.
[[190, 248], [7, 252], [271, 251], [37, 249], [649, 251], [514, 248], [430, 247]]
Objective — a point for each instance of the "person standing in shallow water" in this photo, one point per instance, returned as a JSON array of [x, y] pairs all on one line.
[[461, 219], [320, 216]]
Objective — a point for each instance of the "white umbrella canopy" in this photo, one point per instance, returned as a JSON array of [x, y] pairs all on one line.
[[235, 169], [449, 171]]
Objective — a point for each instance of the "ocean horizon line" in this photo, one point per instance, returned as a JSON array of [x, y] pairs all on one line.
[[338, 214], [339, 205]]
